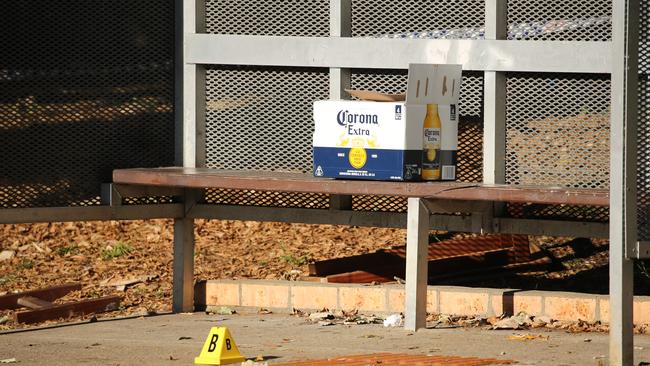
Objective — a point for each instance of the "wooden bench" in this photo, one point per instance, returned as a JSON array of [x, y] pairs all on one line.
[[296, 182], [424, 198]]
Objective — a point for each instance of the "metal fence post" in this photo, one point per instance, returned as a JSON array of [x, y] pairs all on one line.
[[417, 242], [190, 145], [494, 107], [622, 219], [340, 26], [495, 99]]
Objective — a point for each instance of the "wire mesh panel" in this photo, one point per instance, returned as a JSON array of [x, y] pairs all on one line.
[[266, 198], [557, 133], [470, 129], [558, 130], [558, 212], [372, 18], [559, 20], [268, 18], [85, 87], [643, 148], [260, 118]]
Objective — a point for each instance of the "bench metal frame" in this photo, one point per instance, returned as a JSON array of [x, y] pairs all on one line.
[[494, 56], [339, 52]]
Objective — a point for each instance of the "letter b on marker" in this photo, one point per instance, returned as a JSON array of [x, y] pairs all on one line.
[[213, 343]]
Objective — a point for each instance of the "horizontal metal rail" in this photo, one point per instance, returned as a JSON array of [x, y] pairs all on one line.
[[379, 53], [91, 213], [397, 220]]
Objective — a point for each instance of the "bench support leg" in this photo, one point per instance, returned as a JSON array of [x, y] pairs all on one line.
[[417, 242], [183, 293]]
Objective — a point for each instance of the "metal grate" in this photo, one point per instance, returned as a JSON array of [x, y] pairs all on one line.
[[371, 18], [147, 200], [266, 199], [558, 130], [557, 133], [268, 18], [558, 212], [559, 20], [261, 119], [85, 87], [643, 154], [379, 203]]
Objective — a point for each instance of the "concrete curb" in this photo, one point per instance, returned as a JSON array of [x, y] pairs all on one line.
[[284, 296]]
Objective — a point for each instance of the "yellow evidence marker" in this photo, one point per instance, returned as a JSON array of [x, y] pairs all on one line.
[[219, 349]]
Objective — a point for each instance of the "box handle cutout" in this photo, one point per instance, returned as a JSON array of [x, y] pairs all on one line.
[[444, 86]]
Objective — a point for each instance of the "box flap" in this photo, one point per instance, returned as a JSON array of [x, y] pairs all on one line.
[[375, 96], [433, 84]]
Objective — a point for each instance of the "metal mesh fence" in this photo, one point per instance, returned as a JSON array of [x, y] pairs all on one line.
[[557, 134], [268, 18], [372, 18], [261, 119], [85, 87], [643, 170], [558, 130], [590, 20]]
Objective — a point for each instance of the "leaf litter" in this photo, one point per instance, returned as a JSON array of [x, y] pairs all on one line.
[[134, 258]]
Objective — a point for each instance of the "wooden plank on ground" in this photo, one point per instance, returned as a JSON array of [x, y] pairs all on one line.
[[353, 263], [449, 256], [358, 277], [10, 301], [376, 273], [83, 307], [33, 302]]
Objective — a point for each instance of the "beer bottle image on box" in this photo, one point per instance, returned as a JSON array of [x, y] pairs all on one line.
[[431, 144]]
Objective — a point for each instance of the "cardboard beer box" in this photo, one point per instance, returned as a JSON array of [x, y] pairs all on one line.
[[404, 137]]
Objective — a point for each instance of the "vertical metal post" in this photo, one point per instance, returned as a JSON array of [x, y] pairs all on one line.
[[183, 277], [192, 138], [340, 26], [494, 112], [189, 144], [417, 242], [622, 219]]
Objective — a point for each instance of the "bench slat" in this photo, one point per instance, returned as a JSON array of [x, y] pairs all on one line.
[[297, 182]]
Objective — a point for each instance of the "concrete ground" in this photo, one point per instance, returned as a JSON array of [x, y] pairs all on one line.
[[177, 339]]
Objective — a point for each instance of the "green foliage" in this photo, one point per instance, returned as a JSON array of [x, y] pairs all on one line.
[[116, 251], [290, 259], [642, 269], [7, 279], [70, 249], [26, 264]]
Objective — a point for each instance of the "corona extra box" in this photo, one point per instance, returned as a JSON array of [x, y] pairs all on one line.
[[387, 137]]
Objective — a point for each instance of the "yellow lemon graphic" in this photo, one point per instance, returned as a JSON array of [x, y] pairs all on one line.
[[372, 141], [343, 141], [357, 157], [431, 154]]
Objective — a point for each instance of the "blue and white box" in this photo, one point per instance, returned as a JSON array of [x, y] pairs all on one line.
[[383, 139]]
